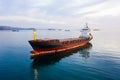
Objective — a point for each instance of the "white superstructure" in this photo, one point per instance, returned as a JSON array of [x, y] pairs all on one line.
[[85, 32]]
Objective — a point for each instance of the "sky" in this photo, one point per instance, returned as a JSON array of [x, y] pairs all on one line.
[[60, 13]]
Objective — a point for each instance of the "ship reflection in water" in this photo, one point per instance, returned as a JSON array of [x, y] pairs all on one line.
[[84, 52]]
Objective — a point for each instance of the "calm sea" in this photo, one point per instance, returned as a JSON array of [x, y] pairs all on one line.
[[98, 61]]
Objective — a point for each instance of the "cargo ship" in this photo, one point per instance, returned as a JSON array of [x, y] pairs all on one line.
[[49, 46]]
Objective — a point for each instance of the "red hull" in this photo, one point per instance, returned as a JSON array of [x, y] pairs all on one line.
[[56, 50]]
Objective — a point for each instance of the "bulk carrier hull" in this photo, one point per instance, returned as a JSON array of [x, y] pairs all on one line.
[[55, 46]]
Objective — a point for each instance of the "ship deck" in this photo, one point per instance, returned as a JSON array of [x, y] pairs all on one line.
[[61, 40], [70, 39]]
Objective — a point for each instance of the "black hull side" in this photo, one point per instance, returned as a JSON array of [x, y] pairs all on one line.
[[40, 45]]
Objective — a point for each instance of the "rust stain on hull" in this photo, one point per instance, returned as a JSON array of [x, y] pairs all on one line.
[[58, 50]]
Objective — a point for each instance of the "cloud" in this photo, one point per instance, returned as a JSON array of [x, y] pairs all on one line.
[[28, 19], [38, 3], [109, 8], [57, 12]]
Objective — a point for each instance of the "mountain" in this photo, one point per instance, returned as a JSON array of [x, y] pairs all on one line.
[[5, 28], [13, 28]]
